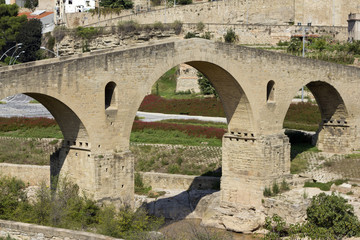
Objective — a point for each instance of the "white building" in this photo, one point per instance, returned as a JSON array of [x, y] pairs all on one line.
[[72, 6]]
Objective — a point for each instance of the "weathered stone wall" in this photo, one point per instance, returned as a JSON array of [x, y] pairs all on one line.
[[35, 175], [328, 12], [31, 174], [164, 181], [248, 34], [18, 230]]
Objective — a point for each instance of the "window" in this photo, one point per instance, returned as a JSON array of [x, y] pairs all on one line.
[[110, 95], [270, 91]]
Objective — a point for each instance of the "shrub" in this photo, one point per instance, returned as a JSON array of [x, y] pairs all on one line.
[[275, 188], [190, 35], [200, 26], [332, 212], [86, 32], [230, 36], [184, 2], [140, 187], [267, 192], [205, 85], [128, 26], [177, 26], [59, 33]]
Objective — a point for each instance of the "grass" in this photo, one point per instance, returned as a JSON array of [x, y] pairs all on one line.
[[171, 137], [25, 151], [34, 101], [196, 123], [30, 128], [211, 107], [325, 186], [2, 102], [177, 160], [299, 162]]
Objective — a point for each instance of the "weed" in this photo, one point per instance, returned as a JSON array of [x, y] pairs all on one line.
[[275, 188], [284, 186], [140, 187], [267, 192]]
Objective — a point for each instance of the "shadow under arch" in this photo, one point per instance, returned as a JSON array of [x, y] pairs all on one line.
[[331, 104], [71, 126]]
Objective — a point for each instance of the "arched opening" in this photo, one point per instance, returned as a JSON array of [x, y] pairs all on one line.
[[55, 134], [318, 123], [194, 145], [110, 95], [270, 91]]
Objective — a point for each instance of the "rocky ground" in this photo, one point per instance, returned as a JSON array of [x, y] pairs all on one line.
[[290, 205]]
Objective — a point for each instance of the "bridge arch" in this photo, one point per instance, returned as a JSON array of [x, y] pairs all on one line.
[[236, 104], [334, 124], [69, 122]]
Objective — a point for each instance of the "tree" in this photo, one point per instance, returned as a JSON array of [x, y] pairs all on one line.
[[126, 4], [30, 36], [32, 4], [205, 85], [10, 24]]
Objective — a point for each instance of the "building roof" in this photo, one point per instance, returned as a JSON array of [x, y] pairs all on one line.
[[36, 14]]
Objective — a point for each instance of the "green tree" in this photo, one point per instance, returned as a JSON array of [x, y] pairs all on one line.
[[230, 36], [333, 213], [32, 4], [205, 85], [10, 24], [126, 4], [30, 36]]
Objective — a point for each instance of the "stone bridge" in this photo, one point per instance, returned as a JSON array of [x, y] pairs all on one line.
[[94, 98]]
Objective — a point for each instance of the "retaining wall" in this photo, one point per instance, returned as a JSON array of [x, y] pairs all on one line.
[[26, 231]]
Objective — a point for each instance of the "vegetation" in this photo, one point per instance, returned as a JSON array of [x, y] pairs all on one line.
[[32, 4], [304, 115], [205, 85], [276, 189], [197, 106], [123, 4], [328, 217], [65, 208], [132, 26], [10, 25], [29, 127], [230, 36], [325, 186], [30, 34], [324, 48], [178, 160]]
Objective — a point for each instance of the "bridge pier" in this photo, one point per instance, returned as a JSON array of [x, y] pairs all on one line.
[[105, 177], [336, 136], [249, 164]]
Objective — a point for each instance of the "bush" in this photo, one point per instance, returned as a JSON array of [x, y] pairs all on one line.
[[123, 4], [128, 26], [332, 212], [200, 26], [86, 32], [230, 36], [184, 2], [177, 26], [328, 217], [205, 85], [190, 35], [140, 187]]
